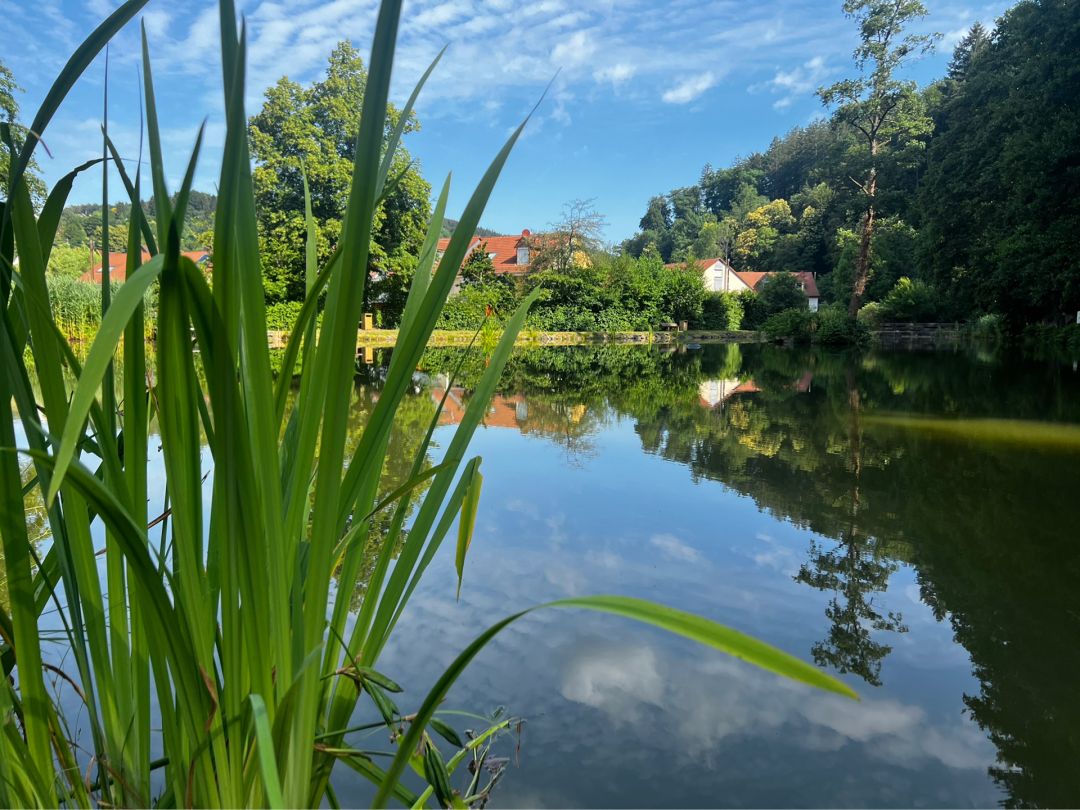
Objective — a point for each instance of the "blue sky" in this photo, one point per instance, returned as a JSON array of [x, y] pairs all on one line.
[[647, 91]]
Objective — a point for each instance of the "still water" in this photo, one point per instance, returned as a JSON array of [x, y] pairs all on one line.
[[910, 521]]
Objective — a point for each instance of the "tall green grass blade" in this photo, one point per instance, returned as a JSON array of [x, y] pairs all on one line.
[[128, 298], [264, 746], [49, 219], [473, 482], [133, 194], [403, 121]]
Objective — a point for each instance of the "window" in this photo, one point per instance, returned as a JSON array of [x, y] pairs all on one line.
[[522, 255]]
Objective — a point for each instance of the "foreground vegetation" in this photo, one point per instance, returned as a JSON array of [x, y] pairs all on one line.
[[229, 631]]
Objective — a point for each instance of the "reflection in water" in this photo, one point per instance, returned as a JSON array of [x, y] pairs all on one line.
[[985, 521], [808, 498]]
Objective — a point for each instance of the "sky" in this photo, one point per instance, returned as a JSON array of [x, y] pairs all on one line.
[[643, 93]]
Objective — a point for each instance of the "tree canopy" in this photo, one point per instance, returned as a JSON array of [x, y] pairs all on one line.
[[311, 130], [977, 190]]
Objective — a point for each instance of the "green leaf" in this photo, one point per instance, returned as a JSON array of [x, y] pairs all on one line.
[[377, 678], [128, 298], [467, 524], [264, 747], [446, 732], [437, 776], [387, 708]]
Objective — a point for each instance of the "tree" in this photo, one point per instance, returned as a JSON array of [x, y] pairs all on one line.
[[999, 203], [974, 43], [781, 291], [883, 110], [312, 129], [9, 114], [478, 267], [684, 292], [70, 262], [570, 241], [762, 228]]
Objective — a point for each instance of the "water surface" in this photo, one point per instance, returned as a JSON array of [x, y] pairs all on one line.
[[907, 520]]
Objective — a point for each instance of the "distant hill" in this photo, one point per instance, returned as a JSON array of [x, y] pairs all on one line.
[[80, 225], [450, 224]]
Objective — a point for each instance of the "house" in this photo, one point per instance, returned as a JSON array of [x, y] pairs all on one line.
[[510, 255], [118, 265], [720, 276], [713, 393]]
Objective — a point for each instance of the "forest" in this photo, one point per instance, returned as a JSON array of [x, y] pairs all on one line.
[[978, 186]]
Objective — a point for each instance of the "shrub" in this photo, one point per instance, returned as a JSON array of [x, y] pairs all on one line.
[[781, 291], [1043, 337], [987, 328], [721, 311], [684, 294], [871, 315], [910, 301], [834, 327], [795, 324], [468, 309], [754, 314], [282, 315]]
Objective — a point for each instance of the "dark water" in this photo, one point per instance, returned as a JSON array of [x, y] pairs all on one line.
[[909, 521], [794, 496]]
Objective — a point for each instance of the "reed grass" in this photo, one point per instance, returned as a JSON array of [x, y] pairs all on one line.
[[221, 616]]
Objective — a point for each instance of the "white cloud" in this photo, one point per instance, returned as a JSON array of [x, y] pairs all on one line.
[[689, 89], [616, 74], [675, 549], [574, 51], [798, 82]]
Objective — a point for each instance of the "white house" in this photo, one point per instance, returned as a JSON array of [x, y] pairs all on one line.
[[720, 276]]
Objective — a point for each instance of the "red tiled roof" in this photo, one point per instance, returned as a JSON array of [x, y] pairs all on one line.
[[118, 265], [755, 280], [504, 249]]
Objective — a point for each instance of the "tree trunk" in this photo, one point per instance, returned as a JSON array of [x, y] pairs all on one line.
[[862, 267]]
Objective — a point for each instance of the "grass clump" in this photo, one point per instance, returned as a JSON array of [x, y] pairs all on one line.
[[221, 616]]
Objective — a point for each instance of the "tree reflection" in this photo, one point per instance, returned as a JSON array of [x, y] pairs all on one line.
[[989, 529], [854, 571]]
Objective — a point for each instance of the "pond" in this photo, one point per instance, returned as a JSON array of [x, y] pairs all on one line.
[[908, 520]]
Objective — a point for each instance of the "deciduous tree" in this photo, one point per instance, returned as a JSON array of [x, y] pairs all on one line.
[[884, 111], [312, 129]]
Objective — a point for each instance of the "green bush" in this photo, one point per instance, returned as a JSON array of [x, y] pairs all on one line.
[[468, 309], [834, 327], [795, 324], [281, 317], [1044, 337], [754, 314], [721, 311], [871, 315], [987, 328], [911, 302], [781, 291]]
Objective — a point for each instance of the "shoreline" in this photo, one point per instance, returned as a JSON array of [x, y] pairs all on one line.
[[385, 338]]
